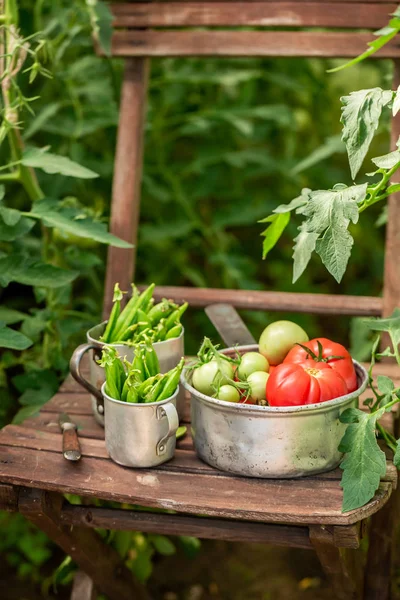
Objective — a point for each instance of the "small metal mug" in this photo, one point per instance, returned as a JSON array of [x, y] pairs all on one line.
[[169, 353], [140, 435]]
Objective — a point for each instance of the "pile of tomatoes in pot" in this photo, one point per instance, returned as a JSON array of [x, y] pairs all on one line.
[[288, 370]]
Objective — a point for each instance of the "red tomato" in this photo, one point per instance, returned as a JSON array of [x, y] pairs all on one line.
[[293, 384], [344, 366]]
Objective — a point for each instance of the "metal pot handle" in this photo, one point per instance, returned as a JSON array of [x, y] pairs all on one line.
[[75, 368], [167, 410]]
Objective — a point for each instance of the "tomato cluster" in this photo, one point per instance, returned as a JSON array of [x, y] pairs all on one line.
[[288, 370]]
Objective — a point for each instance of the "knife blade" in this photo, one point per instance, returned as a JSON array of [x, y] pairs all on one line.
[[71, 447]]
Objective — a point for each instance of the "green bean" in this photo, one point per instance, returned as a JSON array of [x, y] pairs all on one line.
[[145, 297], [175, 317], [129, 332], [156, 389], [172, 381], [137, 365], [150, 360], [143, 320], [127, 316], [116, 309], [159, 311], [174, 332], [132, 395]]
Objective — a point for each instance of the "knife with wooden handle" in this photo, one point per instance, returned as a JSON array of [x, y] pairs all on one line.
[[71, 447]]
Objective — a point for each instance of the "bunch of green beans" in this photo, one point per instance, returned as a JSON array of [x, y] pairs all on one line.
[[141, 380], [141, 320]]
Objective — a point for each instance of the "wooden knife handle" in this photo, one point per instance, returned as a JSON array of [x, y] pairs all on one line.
[[71, 447]]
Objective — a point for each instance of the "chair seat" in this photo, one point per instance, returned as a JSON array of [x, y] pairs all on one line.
[[30, 455]]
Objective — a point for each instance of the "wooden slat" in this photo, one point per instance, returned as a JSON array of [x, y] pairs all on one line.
[[246, 43], [324, 304], [229, 325], [271, 14], [241, 498], [127, 177], [201, 527]]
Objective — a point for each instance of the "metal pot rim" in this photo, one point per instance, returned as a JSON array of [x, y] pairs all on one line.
[[100, 344], [138, 404], [254, 409]]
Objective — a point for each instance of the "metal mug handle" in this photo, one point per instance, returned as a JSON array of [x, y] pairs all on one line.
[[75, 368], [167, 410]]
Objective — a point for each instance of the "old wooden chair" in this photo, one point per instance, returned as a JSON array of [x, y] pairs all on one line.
[[304, 513]]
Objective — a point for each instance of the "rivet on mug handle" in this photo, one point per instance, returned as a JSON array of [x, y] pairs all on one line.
[[75, 368], [167, 410]]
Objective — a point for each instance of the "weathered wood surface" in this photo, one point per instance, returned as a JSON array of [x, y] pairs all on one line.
[[127, 177], [267, 14], [30, 455], [163, 43], [201, 527], [322, 304]]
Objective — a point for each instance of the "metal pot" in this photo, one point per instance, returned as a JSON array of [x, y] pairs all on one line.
[[168, 352], [267, 441], [140, 435]]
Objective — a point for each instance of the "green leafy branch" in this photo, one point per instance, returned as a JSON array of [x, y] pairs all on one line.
[[365, 463], [327, 214]]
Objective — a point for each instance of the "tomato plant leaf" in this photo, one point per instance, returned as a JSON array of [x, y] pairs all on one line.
[[274, 231], [364, 463], [10, 216], [361, 112], [328, 214], [294, 204], [387, 161], [28, 271], [101, 19], [40, 158], [10, 316], [9, 233], [72, 220], [396, 102], [302, 250], [391, 325], [13, 340], [334, 248], [385, 384]]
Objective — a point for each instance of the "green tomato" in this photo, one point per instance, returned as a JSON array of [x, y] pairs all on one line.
[[250, 362], [258, 385], [207, 377], [278, 338], [228, 393]]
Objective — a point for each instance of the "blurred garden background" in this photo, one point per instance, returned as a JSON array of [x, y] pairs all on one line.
[[226, 141]]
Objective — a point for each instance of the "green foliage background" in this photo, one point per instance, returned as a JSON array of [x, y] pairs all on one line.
[[226, 141]]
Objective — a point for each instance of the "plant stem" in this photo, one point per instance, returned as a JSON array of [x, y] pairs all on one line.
[[374, 191], [389, 439]]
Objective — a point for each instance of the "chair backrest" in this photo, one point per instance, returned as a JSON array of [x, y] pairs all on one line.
[[136, 39]]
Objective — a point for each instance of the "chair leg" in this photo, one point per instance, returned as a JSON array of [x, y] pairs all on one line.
[[343, 566], [101, 562], [381, 539], [82, 587]]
